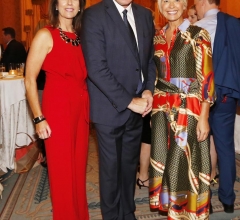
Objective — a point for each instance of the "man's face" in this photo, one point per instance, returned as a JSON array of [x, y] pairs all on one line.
[[124, 3], [199, 5], [5, 38]]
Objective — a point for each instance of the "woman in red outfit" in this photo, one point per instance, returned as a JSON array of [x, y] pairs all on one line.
[[65, 124]]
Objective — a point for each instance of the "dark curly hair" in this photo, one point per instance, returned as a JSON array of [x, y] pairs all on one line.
[[53, 15]]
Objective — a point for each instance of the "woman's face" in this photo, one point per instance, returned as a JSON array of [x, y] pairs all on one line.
[[68, 8], [172, 10], [192, 16]]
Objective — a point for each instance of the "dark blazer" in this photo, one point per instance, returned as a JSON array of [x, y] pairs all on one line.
[[14, 53], [113, 69], [226, 55]]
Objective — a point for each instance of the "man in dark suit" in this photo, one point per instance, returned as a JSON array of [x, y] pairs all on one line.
[[15, 51], [121, 82], [225, 33]]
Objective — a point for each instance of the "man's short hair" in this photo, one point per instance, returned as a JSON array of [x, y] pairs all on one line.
[[216, 2], [10, 31]]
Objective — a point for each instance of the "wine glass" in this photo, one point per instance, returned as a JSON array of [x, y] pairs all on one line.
[[2, 68], [20, 68]]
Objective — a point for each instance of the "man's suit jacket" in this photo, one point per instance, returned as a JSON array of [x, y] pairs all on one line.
[[14, 53], [113, 69], [226, 55]]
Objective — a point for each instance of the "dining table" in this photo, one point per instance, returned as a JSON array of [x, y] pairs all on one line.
[[15, 120]]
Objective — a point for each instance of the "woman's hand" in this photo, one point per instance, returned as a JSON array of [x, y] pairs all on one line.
[[203, 125], [202, 129], [43, 130]]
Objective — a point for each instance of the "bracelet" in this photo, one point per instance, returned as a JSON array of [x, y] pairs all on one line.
[[39, 119]]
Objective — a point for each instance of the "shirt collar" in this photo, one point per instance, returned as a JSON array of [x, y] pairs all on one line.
[[211, 12], [9, 41], [121, 8], [183, 27]]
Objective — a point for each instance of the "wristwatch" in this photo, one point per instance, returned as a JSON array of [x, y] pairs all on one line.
[[39, 119]]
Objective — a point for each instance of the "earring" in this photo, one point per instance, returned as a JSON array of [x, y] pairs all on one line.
[[56, 9]]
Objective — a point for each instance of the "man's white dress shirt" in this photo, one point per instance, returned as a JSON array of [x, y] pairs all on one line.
[[131, 21]]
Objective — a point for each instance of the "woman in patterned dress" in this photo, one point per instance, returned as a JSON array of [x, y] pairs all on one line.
[[180, 158]]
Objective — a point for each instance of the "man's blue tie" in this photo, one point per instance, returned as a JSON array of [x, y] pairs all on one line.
[[134, 43]]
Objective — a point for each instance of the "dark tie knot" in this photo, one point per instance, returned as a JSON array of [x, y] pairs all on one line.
[[125, 12]]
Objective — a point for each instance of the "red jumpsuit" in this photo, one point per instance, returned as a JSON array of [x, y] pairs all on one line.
[[66, 108]]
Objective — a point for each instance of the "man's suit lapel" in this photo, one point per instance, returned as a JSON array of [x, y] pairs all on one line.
[[139, 28], [114, 14]]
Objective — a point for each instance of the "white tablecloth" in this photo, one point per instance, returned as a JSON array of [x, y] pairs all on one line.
[[15, 117]]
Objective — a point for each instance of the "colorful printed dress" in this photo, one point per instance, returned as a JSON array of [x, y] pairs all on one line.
[[180, 165]]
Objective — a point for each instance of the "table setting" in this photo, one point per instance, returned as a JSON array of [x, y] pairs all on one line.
[[15, 114], [12, 70]]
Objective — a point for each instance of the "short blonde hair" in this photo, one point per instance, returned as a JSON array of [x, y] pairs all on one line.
[[185, 2]]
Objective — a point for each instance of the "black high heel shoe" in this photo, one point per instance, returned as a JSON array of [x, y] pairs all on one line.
[[140, 183]]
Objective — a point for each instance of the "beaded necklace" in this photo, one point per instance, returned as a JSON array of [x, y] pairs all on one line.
[[65, 38]]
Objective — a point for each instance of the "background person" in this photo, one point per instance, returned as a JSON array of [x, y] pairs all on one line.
[[14, 51], [180, 159], [65, 106], [192, 14], [143, 177], [121, 74]]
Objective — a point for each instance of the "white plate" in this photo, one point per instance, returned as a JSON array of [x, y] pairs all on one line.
[[9, 76]]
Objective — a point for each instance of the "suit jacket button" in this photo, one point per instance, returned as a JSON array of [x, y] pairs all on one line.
[[137, 69]]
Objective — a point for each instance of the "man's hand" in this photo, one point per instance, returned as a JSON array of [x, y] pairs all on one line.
[[138, 105], [147, 94]]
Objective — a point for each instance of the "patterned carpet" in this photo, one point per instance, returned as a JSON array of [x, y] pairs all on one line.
[[26, 196]]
